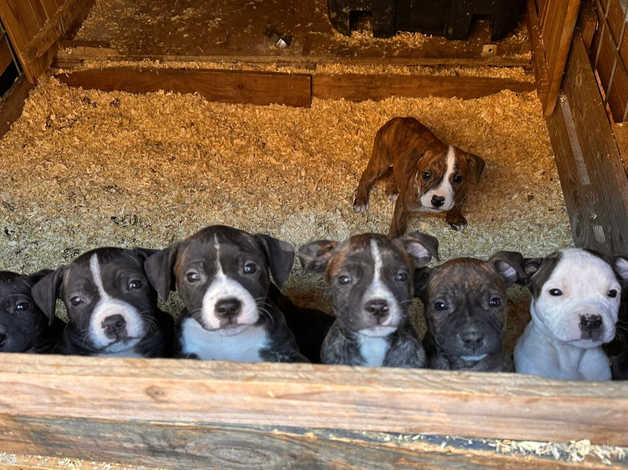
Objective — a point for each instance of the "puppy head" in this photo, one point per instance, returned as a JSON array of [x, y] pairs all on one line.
[[465, 303], [21, 321], [222, 274], [576, 295], [443, 175], [108, 298], [371, 277]]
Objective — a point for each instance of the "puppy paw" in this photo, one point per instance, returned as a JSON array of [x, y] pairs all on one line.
[[360, 205], [457, 223], [392, 197]]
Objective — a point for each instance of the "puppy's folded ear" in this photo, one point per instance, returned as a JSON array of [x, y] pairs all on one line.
[[159, 269], [620, 265], [47, 290], [420, 246], [144, 253], [280, 256], [476, 166], [316, 255], [511, 266]]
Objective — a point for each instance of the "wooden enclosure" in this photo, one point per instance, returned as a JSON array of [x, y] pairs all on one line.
[[190, 414]]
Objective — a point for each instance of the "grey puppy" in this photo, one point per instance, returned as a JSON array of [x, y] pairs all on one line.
[[371, 281]]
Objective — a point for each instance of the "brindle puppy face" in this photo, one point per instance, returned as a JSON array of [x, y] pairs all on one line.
[[465, 303], [443, 176], [370, 277]]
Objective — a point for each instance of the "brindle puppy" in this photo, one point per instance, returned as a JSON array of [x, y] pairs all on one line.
[[427, 174], [465, 311]]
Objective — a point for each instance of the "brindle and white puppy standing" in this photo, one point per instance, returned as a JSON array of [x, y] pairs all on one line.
[[224, 276], [371, 281], [112, 308], [575, 303], [428, 175], [23, 326], [465, 310]]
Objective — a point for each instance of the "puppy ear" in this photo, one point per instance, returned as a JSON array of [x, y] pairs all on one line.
[[159, 270], [47, 290], [476, 166], [510, 265], [280, 257], [316, 255], [144, 253], [620, 265], [421, 279], [421, 247]]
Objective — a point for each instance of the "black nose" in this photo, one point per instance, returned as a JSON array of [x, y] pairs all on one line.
[[228, 308], [438, 201], [114, 326], [472, 338], [378, 308], [590, 323]]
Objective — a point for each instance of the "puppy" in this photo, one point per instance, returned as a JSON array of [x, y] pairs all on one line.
[[427, 174], [465, 310], [224, 276], [111, 306], [575, 301], [23, 326], [371, 282]]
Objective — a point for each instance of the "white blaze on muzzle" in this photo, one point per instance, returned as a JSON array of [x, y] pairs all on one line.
[[444, 188], [223, 287], [108, 306]]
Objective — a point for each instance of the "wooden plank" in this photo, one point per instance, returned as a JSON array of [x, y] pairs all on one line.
[[185, 393], [607, 67], [358, 87], [12, 104], [5, 55], [219, 447], [538, 53], [592, 176], [217, 85]]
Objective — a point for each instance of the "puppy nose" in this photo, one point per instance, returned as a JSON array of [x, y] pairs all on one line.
[[114, 326], [438, 201], [472, 338], [378, 308], [227, 308], [590, 323]]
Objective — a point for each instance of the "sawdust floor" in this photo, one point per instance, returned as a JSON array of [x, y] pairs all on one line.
[[82, 169]]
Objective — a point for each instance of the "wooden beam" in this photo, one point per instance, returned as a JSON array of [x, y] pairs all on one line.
[[197, 393], [358, 87], [538, 53], [12, 104], [217, 85], [591, 172], [5, 55]]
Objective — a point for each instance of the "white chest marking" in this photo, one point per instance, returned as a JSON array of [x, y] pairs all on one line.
[[373, 349], [216, 346]]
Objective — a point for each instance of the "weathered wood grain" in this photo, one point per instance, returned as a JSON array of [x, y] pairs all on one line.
[[217, 85], [592, 176], [359, 87], [391, 400]]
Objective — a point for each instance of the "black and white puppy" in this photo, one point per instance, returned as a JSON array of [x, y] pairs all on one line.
[[224, 276], [111, 306], [465, 311], [371, 282], [23, 326], [575, 303]]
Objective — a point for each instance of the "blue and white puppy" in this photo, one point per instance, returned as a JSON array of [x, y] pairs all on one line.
[[224, 277]]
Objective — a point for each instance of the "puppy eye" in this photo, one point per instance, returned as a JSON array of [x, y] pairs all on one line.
[[135, 284], [457, 179], [401, 277], [193, 277], [22, 306], [426, 175], [556, 292], [440, 305], [76, 300], [612, 293], [250, 268], [344, 280], [495, 301]]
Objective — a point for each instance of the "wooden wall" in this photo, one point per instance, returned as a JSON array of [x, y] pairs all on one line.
[[35, 26]]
